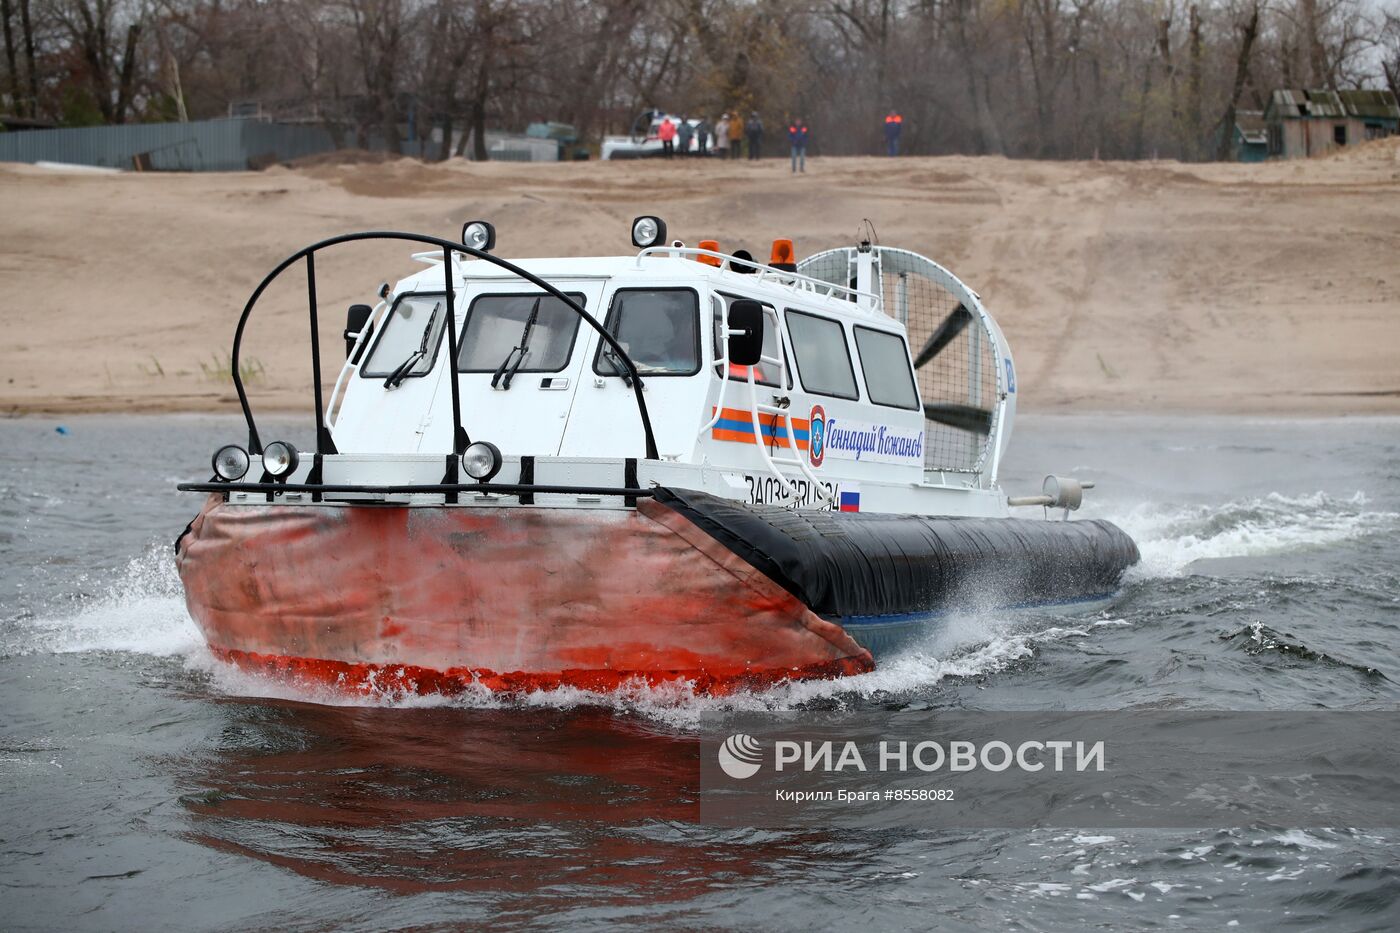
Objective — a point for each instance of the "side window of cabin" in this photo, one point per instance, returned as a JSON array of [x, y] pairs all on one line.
[[410, 334], [823, 359], [885, 361], [658, 327], [763, 373], [497, 324]]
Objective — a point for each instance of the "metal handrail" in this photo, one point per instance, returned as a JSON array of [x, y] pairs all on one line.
[[324, 444], [765, 272], [790, 433], [351, 366], [722, 361]]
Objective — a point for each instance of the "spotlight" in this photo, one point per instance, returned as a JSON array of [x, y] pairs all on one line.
[[230, 463], [482, 460], [280, 459], [648, 231], [479, 235]]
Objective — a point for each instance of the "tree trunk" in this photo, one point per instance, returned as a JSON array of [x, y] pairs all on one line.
[[478, 124], [128, 73], [1164, 48], [30, 73], [1248, 32], [1195, 144], [94, 47], [1317, 71], [11, 68], [979, 140], [445, 151], [1042, 67], [389, 122], [1138, 134]]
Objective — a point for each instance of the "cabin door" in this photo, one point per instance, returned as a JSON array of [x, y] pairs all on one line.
[[662, 329], [519, 363]]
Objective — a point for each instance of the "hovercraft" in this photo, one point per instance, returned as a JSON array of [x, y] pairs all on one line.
[[678, 465], [644, 139]]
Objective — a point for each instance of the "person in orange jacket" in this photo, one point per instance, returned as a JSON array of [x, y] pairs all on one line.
[[894, 125], [736, 135], [667, 134], [797, 138]]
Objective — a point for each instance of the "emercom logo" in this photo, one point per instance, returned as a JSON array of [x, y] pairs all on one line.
[[740, 756]]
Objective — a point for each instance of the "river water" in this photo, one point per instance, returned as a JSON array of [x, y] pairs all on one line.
[[145, 786]]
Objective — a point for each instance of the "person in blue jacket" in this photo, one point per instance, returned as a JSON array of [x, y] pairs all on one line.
[[797, 138]]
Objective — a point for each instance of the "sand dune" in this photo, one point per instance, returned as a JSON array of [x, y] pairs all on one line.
[[1122, 286]]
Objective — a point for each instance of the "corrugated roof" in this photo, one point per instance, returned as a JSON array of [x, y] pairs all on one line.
[[1375, 104], [1290, 102]]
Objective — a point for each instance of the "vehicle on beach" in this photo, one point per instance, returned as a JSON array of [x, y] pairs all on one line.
[[644, 140], [680, 464]]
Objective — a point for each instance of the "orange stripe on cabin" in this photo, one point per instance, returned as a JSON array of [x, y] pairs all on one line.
[[736, 425]]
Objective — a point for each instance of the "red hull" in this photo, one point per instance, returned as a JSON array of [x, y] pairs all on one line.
[[435, 600]]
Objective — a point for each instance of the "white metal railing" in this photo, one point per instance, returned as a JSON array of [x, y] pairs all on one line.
[[352, 366], [722, 361], [794, 281]]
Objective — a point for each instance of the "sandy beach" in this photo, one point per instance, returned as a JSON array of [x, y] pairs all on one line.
[[1261, 289]]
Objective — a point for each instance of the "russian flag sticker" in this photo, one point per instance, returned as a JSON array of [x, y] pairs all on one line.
[[850, 498]]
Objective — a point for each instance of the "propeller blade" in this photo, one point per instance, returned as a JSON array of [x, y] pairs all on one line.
[[976, 420], [943, 335]]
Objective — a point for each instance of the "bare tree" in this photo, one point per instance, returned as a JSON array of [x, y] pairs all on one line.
[[11, 69], [1037, 78], [106, 35], [1249, 31], [1389, 47]]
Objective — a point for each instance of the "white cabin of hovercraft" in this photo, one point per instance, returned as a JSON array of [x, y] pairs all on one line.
[[834, 363]]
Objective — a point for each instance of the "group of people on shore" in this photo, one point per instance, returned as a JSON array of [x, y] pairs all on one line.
[[724, 137], [727, 135]]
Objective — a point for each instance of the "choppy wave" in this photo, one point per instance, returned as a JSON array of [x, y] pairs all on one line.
[[1258, 639], [1171, 537]]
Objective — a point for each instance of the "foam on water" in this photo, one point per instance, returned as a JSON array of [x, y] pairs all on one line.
[[968, 646], [1171, 537], [143, 612]]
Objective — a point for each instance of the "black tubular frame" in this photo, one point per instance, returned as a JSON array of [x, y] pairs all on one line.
[[498, 489], [460, 439]]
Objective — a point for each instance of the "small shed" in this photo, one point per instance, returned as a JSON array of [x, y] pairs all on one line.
[[1307, 123], [1251, 138]]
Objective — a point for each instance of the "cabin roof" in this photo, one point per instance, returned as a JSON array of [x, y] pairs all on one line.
[[668, 270], [1252, 127], [1293, 103]]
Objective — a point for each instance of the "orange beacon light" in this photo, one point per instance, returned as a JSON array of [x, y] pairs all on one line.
[[783, 256]]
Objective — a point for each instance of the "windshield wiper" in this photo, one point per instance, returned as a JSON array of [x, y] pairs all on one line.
[[516, 357], [397, 377], [615, 362]]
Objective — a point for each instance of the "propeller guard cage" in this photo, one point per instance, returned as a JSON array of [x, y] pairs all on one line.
[[967, 376]]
